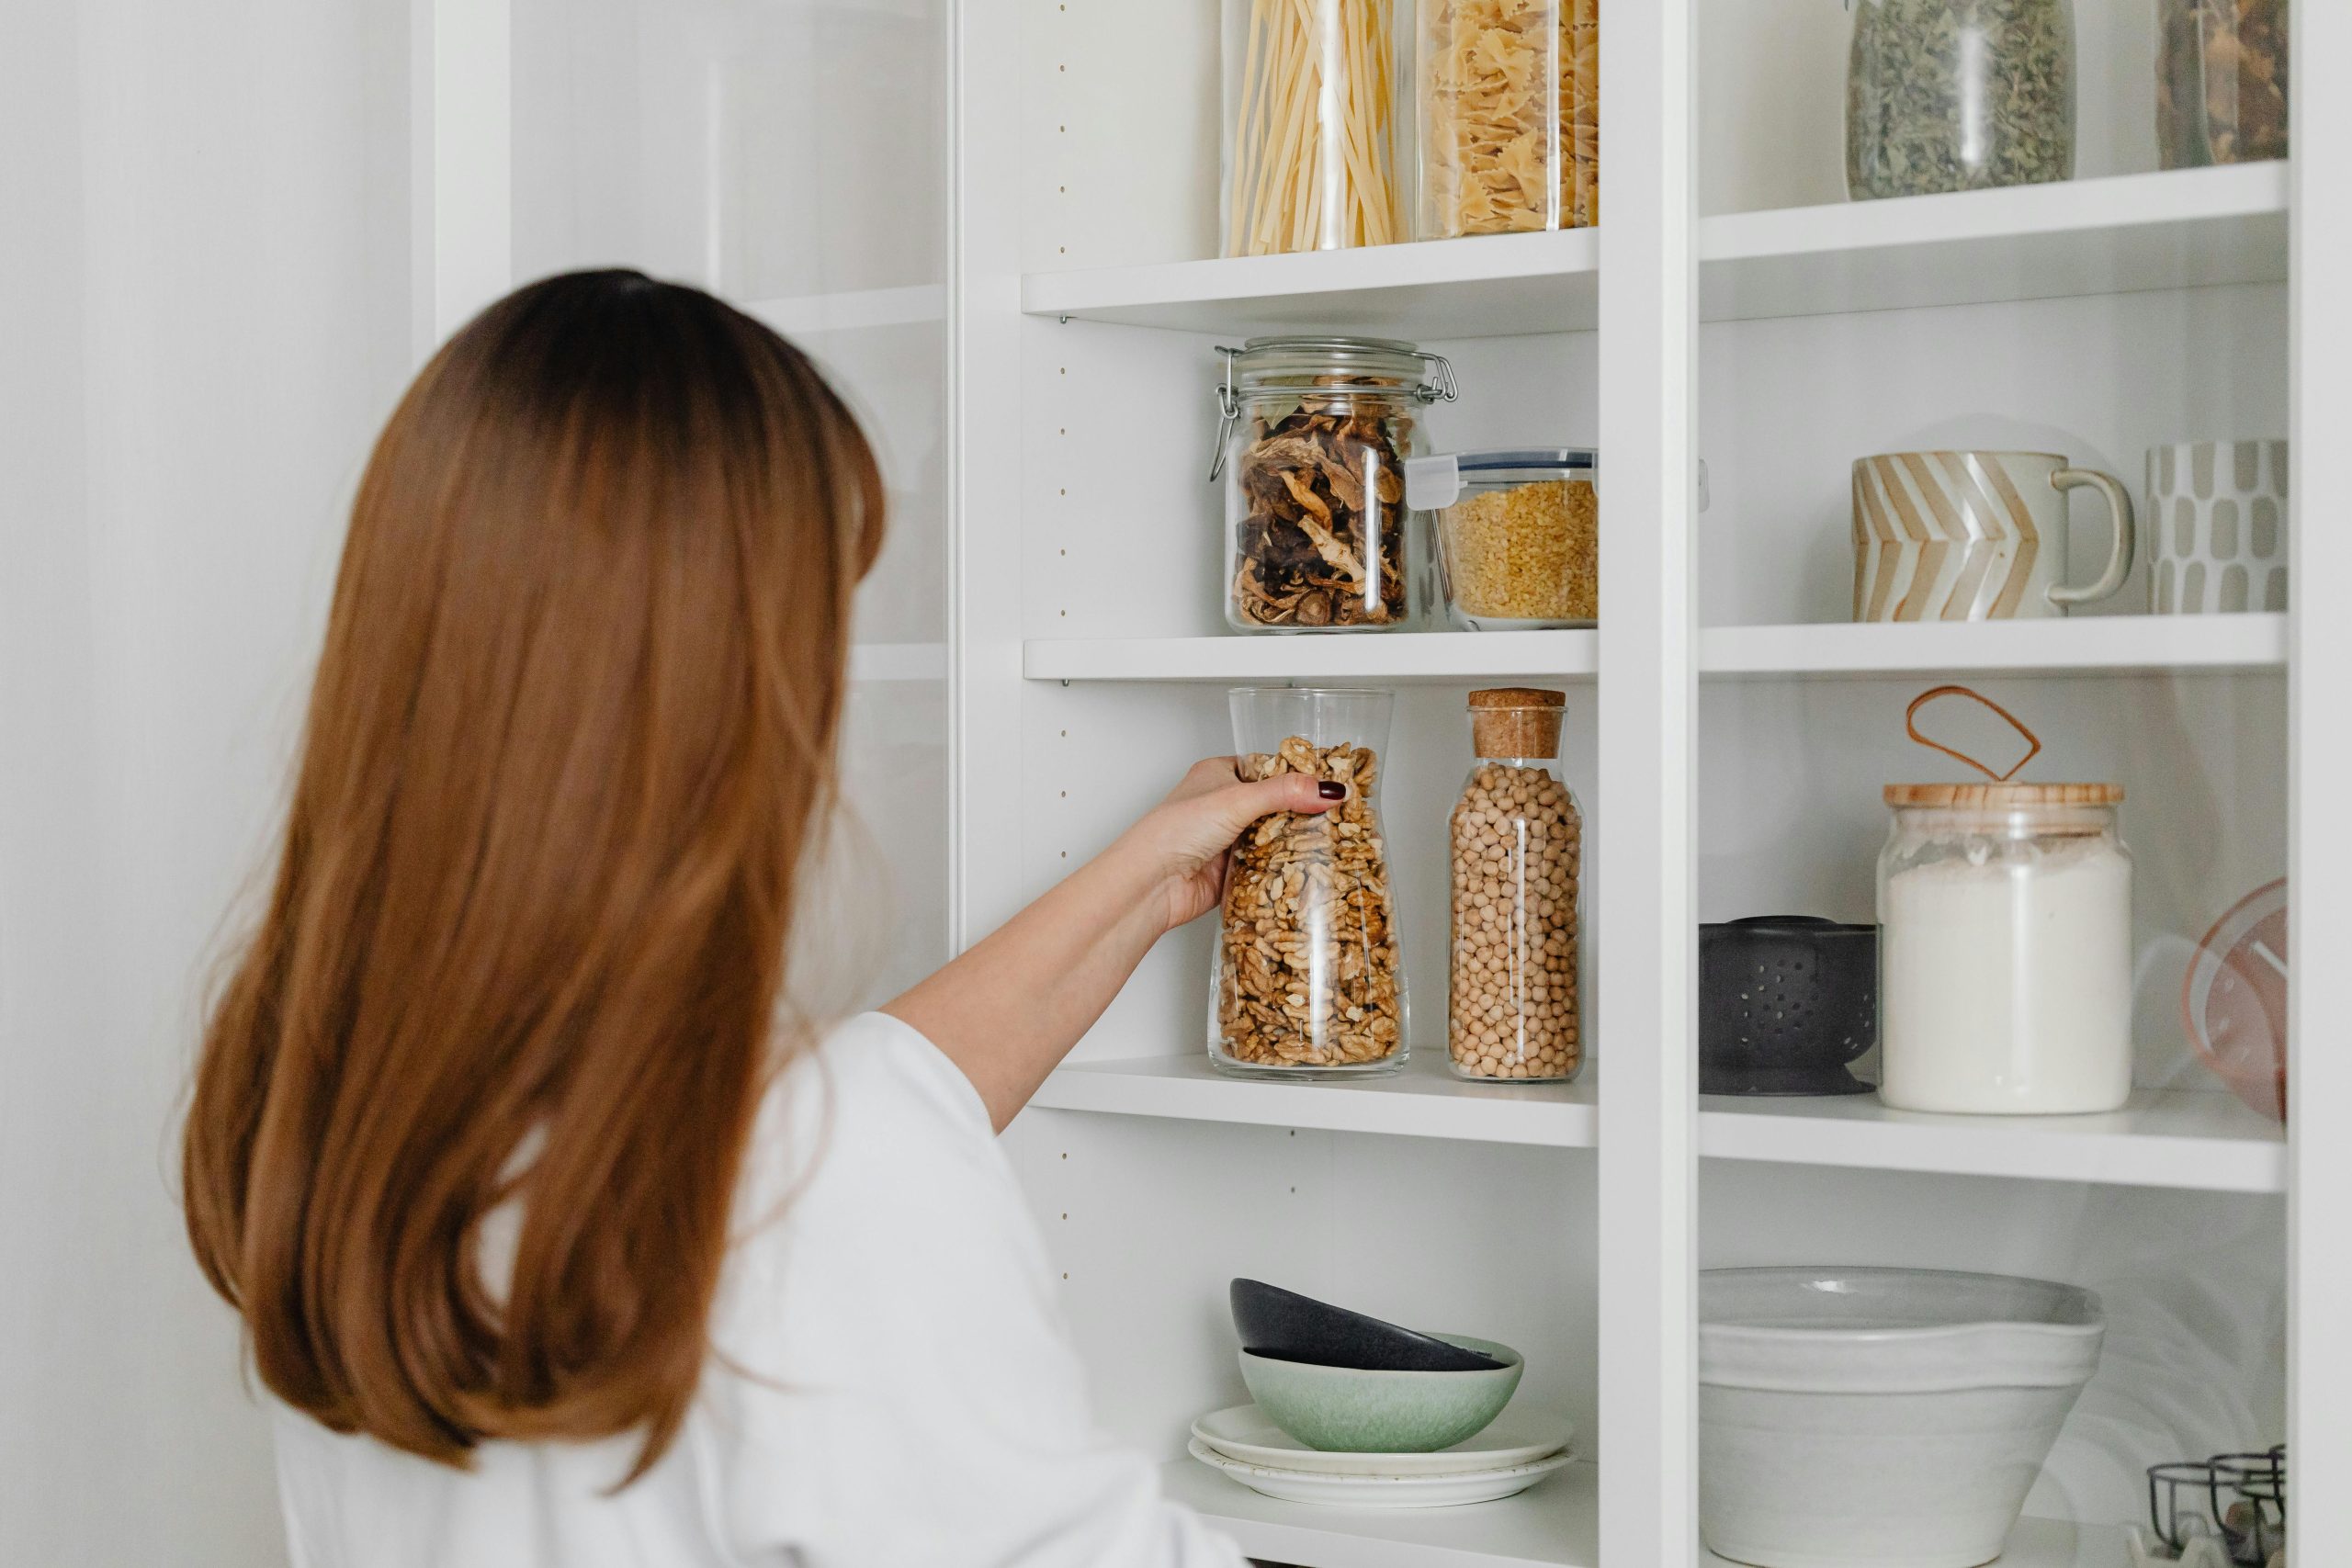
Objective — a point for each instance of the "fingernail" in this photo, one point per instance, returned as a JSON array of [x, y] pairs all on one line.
[[1329, 790]]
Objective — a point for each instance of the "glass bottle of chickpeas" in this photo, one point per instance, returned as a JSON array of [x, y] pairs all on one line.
[[1515, 1007]]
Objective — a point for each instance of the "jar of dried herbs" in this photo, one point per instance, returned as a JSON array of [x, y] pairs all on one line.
[[2221, 81], [1959, 94], [1311, 451]]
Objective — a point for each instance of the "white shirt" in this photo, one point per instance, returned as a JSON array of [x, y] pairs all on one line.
[[893, 1384]]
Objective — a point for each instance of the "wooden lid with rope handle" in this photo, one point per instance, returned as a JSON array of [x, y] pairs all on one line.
[[2000, 794]]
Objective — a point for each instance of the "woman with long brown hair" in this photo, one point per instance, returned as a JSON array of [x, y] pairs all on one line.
[[556, 1240]]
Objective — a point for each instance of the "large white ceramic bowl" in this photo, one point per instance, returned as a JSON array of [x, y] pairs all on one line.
[[1880, 1417]]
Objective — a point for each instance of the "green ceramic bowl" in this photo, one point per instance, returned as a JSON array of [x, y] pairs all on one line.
[[1348, 1410]]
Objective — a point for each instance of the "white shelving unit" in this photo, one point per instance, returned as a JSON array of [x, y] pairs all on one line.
[[1043, 394]]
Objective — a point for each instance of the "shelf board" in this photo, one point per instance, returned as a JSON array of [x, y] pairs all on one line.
[[1422, 1100], [1495, 286], [1554, 1524], [1384, 656], [2112, 644], [2085, 645], [2163, 1138], [2174, 230], [848, 308]]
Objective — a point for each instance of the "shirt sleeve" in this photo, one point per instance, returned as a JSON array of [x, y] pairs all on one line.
[[898, 1386]]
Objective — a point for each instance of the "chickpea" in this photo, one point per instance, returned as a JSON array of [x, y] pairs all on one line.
[[1516, 839]]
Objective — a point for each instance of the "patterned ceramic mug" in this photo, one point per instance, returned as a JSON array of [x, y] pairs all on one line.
[[1974, 535], [2217, 521]]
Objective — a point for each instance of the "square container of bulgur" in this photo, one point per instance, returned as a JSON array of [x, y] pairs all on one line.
[[1517, 535]]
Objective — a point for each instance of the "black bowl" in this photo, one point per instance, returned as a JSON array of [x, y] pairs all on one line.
[[1785, 1002], [1291, 1328]]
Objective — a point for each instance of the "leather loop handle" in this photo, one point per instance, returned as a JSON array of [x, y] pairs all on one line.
[[1911, 728]]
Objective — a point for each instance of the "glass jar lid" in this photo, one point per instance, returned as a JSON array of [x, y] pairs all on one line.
[[1303, 360]]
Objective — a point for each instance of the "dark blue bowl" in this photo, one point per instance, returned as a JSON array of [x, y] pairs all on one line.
[[1286, 1326]]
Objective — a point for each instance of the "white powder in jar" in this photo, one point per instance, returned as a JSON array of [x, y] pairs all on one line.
[[2006, 979]]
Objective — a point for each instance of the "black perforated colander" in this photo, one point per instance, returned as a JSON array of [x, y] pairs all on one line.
[[1785, 1002]]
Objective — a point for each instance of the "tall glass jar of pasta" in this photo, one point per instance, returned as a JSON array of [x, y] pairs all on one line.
[[1509, 116], [1311, 158]]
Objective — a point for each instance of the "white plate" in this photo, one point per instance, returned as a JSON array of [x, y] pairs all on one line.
[[1519, 1437], [1380, 1490]]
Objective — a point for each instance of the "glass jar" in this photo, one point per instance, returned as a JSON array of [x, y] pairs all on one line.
[[2221, 81], [1309, 981], [1312, 445], [1517, 535], [2004, 950], [1514, 1006], [1959, 94], [1510, 95], [1309, 116]]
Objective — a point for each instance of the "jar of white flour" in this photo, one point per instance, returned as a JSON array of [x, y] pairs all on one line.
[[2005, 949]]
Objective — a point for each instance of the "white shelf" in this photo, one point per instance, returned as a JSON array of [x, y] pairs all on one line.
[[1422, 1100], [1495, 286], [2176, 229], [853, 308], [2163, 1138], [2113, 645], [2091, 645], [1384, 656], [1555, 1523], [2193, 1140], [2180, 229]]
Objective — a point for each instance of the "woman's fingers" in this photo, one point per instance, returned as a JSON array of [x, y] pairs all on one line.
[[1226, 812]]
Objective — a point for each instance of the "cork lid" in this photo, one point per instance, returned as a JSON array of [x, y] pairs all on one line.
[[1516, 721], [2002, 797]]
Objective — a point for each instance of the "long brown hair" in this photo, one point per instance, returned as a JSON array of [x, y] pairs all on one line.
[[572, 727]]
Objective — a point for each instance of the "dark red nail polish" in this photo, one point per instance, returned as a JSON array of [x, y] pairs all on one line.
[[1331, 791]]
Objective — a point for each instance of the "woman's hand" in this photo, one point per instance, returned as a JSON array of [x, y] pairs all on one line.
[[1010, 1007], [1189, 836]]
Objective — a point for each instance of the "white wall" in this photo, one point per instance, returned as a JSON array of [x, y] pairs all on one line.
[[203, 304]]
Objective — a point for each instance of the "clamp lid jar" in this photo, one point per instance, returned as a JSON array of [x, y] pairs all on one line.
[[1313, 437]]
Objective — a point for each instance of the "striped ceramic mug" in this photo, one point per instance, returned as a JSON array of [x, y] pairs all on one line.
[[1974, 535]]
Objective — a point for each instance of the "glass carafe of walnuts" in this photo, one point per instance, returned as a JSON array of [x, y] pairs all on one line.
[[1515, 1007], [1307, 980]]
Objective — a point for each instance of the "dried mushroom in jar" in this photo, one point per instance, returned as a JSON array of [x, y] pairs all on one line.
[[1320, 541], [1308, 961], [2221, 81]]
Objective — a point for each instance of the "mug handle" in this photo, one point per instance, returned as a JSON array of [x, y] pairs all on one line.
[[2118, 510]]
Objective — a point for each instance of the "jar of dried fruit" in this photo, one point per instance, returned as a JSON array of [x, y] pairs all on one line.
[[1517, 535], [1959, 94], [1311, 449], [2221, 81], [1307, 981], [1509, 94], [1514, 1007]]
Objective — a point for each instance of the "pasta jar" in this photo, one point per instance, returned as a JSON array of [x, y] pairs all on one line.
[[1312, 443], [1509, 97], [1310, 135], [1517, 535], [2221, 81], [1307, 981], [1514, 1003], [2005, 949], [1959, 94]]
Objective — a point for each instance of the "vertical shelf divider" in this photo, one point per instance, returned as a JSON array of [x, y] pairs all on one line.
[[2319, 849], [1647, 1230]]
